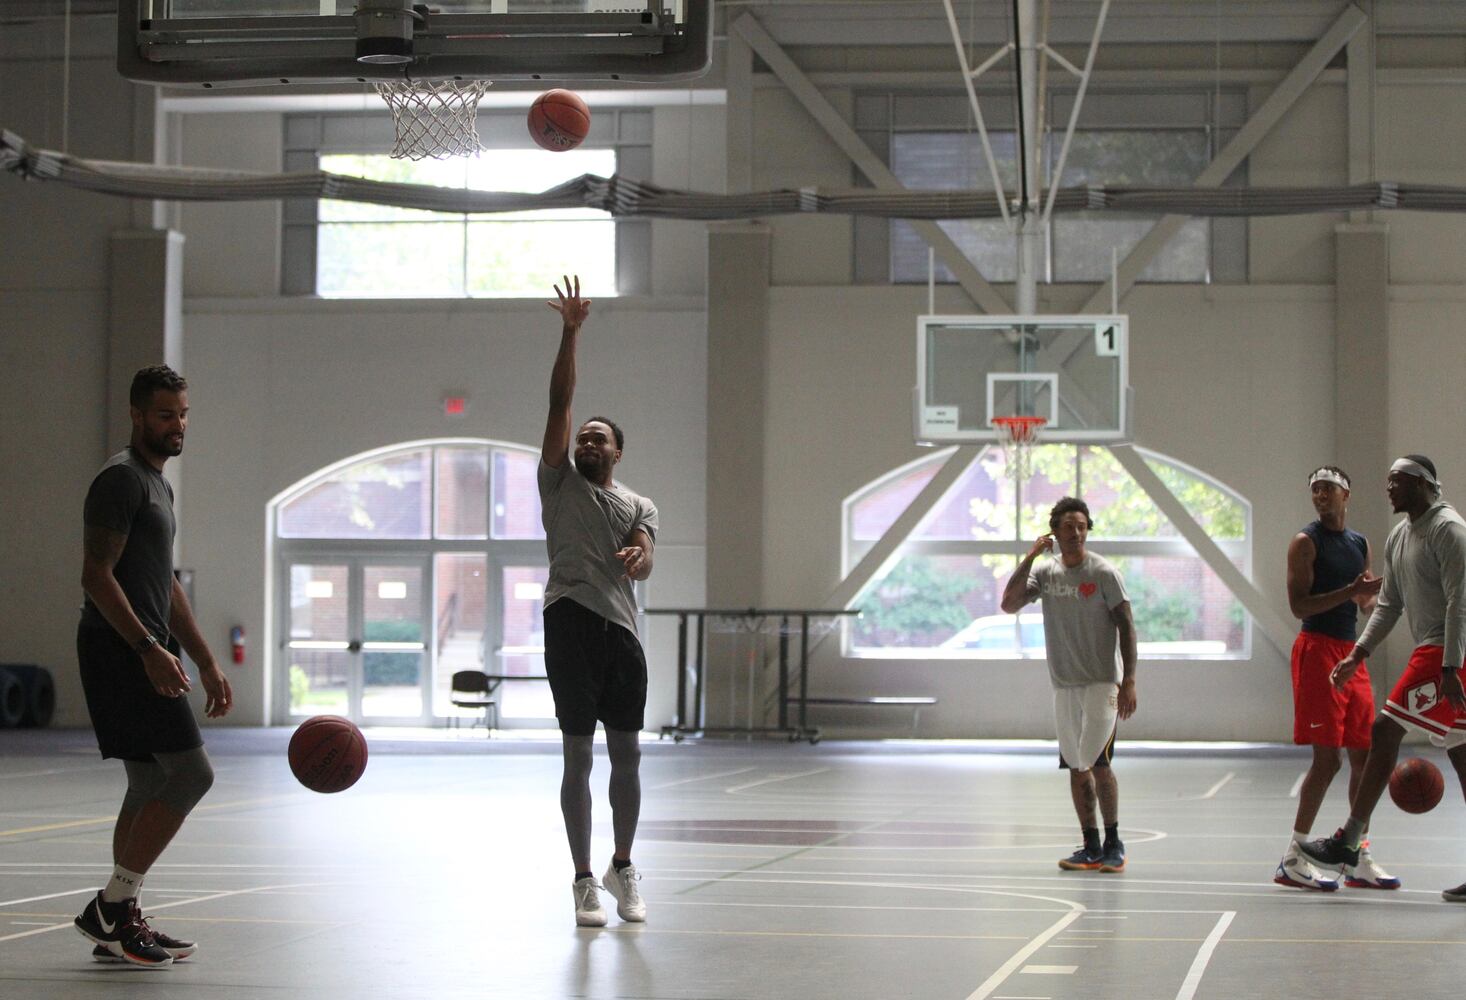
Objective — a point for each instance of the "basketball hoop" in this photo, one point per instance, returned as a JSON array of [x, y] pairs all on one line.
[[434, 118], [1019, 434]]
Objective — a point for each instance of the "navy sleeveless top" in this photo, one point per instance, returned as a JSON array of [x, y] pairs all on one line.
[[1338, 559]]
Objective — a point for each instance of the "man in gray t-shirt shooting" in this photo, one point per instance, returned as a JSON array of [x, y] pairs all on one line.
[[1090, 638], [600, 537]]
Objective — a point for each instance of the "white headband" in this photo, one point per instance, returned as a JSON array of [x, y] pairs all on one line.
[[1412, 468], [1328, 476]]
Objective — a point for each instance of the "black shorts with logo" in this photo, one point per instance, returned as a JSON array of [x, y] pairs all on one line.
[[132, 720], [596, 668]]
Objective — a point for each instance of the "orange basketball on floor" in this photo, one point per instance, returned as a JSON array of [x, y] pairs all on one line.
[[559, 120], [327, 753], [1417, 785]]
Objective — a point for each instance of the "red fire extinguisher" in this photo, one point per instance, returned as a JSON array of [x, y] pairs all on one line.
[[236, 643]]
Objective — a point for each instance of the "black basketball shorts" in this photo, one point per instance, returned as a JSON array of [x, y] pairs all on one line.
[[596, 668], [132, 720]]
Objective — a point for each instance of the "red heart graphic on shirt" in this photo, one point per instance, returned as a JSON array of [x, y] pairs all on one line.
[[1088, 589]]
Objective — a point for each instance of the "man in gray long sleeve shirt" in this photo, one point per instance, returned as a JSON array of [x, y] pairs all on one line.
[[1425, 577]]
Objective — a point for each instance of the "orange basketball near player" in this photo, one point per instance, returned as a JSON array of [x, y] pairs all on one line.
[[559, 120], [1416, 786], [327, 753]]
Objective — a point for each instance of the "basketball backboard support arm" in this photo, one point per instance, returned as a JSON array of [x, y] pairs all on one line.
[[643, 45]]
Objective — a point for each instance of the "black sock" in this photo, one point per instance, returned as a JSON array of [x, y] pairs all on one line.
[[581, 875], [1091, 838], [1112, 833], [621, 864]]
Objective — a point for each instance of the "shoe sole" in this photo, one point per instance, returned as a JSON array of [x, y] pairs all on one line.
[[1359, 883], [1112, 869], [1070, 866], [124, 957], [1453, 897], [111, 959], [582, 922], [1295, 884]]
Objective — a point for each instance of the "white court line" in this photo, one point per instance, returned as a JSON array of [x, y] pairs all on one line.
[[165, 906], [778, 777], [1198, 966], [1071, 946], [703, 777], [55, 770], [1212, 791], [54, 895], [1023, 954], [1049, 970], [1297, 786]]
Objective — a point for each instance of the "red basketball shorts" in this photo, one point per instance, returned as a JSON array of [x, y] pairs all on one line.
[[1417, 702], [1323, 715]]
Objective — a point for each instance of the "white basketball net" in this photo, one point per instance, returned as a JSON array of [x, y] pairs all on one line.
[[434, 118], [1019, 435]]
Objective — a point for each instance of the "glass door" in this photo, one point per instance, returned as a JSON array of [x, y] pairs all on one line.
[[355, 643]]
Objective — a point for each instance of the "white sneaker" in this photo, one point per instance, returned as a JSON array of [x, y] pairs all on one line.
[[588, 909], [622, 886], [1298, 872], [1367, 874]]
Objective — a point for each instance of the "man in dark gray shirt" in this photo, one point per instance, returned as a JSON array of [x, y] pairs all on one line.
[[600, 537], [130, 671]]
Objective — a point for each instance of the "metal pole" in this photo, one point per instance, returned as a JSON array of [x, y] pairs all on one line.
[[1030, 230]]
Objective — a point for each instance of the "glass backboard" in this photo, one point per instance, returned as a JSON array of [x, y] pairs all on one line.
[[215, 43], [1071, 371]]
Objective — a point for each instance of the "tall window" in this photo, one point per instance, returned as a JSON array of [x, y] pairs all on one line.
[[350, 249], [431, 559], [380, 251], [941, 597]]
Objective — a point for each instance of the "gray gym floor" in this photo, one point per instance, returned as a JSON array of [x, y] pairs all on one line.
[[771, 870]]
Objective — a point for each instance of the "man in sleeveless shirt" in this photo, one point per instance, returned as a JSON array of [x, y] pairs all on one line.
[[134, 620], [600, 537], [1424, 578], [1328, 582], [1089, 635]]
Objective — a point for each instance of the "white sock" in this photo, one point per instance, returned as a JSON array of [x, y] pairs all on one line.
[[1300, 836], [123, 885]]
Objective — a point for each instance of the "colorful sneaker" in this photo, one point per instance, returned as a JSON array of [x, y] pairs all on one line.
[[120, 929], [1085, 859], [176, 947], [622, 887], [588, 910], [1367, 874], [1112, 856], [1330, 852], [1456, 895], [1297, 872]]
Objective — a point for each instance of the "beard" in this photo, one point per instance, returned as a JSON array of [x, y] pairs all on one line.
[[162, 444]]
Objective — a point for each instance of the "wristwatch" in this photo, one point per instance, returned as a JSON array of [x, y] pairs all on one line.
[[144, 644]]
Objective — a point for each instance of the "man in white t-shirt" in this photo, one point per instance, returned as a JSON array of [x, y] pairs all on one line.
[[600, 537], [1090, 637]]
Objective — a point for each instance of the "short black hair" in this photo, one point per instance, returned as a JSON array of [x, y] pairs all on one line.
[[1067, 505], [1425, 463], [1334, 469], [620, 438], [149, 380]]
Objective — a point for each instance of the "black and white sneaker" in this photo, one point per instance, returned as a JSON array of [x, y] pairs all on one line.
[[119, 928], [1330, 852], [176, 947], [1456, 895]]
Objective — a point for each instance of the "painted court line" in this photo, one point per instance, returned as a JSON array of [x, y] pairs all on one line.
[[1212, 791], [1297, 786], [1203, 956], [53, 895], [778, 777], [1022, 955], [163, 906], [1048, 970], [702, 777]]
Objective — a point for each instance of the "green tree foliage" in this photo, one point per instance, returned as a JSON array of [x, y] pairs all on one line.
[[915, 604]]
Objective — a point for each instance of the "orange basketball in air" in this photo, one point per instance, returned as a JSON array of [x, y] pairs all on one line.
[[558, 120]]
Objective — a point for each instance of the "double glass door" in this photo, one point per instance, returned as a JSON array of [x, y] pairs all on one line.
[[356, 635]]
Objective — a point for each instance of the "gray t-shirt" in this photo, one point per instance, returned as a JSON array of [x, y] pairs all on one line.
[[1425, 577], [585, 525], [132, 498], [1079, 631]]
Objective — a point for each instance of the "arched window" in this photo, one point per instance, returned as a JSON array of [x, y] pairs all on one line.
[[399, 567], [940, 596]]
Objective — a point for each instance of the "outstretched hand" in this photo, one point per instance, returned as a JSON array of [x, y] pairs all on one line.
[[571, 307]]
